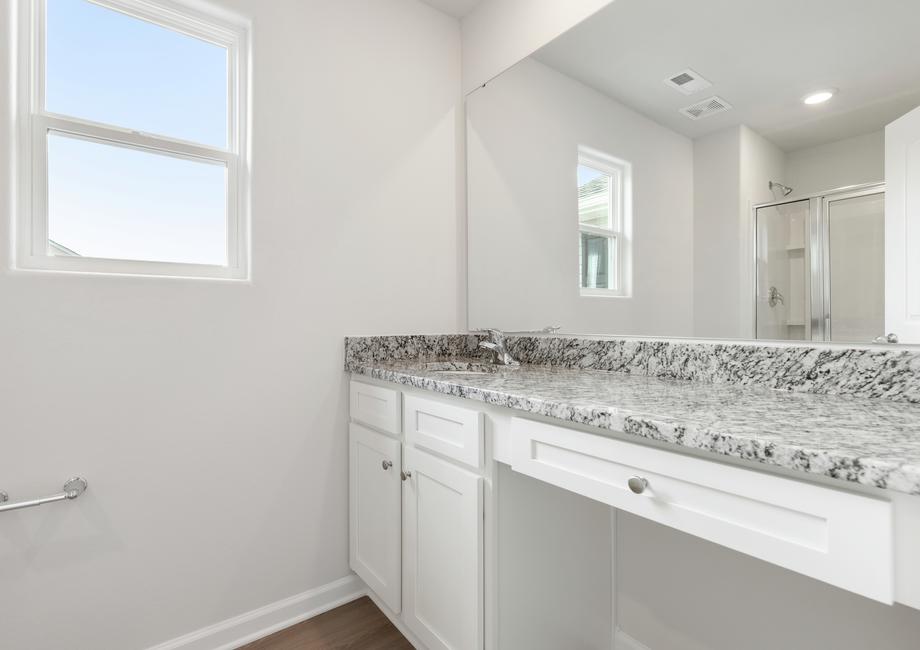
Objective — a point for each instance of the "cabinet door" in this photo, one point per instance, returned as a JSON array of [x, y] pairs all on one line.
[[442, 553], [374, 512]]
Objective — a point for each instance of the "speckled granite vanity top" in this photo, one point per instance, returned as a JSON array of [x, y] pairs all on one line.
[[867, 440]]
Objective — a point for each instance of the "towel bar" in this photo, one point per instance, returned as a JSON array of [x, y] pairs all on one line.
[[72, 489]]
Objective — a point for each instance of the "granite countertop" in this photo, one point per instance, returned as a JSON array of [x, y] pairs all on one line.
[[861, 440]]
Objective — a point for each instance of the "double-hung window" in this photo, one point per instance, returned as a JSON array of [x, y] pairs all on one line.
[[604, 224], [133, 139]]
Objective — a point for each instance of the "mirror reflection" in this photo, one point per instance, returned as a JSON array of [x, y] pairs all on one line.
[[720, 173]]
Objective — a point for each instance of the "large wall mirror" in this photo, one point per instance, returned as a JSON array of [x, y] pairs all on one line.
[[711, 169]]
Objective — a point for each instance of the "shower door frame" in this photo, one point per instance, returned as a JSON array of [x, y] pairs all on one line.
[[817, 250]]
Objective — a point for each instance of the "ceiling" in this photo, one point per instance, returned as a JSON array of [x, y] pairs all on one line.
[[761, 57], [458, 8]]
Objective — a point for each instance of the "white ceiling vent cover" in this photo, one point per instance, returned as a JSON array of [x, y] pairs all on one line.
[[687, 82], [705, 108]]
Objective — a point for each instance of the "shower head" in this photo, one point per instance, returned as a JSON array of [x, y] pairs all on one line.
[[785, 188]]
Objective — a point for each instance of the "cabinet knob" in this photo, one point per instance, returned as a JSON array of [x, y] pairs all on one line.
[[637, 484], [405, 475], [387, 464]]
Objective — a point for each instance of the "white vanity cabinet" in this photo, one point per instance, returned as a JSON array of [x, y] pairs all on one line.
[[480, 527], [416, 513]]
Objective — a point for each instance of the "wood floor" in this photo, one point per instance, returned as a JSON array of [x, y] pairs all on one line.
[[359, 625]]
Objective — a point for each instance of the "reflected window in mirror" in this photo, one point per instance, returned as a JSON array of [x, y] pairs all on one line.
[[604, 224]]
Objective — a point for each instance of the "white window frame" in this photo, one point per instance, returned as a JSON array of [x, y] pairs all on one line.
[[34, 123], [620, 231]]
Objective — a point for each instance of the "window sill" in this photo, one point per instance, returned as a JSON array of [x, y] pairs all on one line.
[[602, 293], [123, 268]]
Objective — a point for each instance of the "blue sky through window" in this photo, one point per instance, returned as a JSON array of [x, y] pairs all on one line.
[[587, 174], [108, 67], [117, 202]]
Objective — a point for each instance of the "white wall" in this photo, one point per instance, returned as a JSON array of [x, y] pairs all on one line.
[[499, 33], [554, 566], [716, 197], [761, 162], [209, 417], [679, 592], [732, 168], [524, 131], [853, 161]]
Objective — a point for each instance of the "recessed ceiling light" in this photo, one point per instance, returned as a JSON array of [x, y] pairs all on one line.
[[819, 97]]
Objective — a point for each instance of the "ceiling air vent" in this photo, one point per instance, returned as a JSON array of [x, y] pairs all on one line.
[[687, 82], [706, 108]]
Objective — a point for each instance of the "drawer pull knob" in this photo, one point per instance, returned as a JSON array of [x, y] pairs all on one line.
[[637, 484], [387, 464], [405, 475]]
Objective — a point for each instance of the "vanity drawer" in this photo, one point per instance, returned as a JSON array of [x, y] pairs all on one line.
[[375, 406], [450, 430], [839, 537]]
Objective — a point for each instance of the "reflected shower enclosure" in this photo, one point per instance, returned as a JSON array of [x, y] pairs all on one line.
[[820, 266]]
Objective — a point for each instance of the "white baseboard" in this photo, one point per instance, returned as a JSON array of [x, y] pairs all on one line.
[[622, 641], [245, 628], [255, 624]]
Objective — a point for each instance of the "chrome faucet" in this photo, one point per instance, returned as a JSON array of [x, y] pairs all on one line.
[[496, 344]]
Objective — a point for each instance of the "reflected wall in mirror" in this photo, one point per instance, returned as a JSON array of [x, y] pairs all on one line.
[[667, 169]]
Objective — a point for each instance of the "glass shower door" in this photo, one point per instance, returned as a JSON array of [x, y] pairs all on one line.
[[783, 272], [856, 267]]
